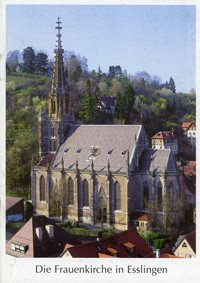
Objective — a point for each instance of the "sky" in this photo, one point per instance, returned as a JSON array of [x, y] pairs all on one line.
[[157, 39]]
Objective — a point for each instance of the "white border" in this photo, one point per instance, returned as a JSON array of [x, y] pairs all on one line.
[[23, 270]]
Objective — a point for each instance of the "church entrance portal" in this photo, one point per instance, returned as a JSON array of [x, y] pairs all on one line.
[[102, 207]]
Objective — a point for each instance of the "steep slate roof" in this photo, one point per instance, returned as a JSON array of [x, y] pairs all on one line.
[[106, 137], [36, 248], [164, 135], [116, 242], [191, 239], [11, 201], [157, 160]]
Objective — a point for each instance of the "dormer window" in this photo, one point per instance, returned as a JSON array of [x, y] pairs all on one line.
[[112, 251], [123, 152], [94, 150], [19, 247], [129, 246]]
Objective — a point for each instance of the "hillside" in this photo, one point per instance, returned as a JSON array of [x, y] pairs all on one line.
[[138, 101]]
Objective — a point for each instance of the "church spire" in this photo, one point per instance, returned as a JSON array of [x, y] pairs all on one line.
[[58, 41], [58, 98], [54, 121]]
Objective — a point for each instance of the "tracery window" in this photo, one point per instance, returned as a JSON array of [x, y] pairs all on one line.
[[42, 189], [145, 195], [85, 193], [159, 192], [70, 191], [117, 196], [53, 106]]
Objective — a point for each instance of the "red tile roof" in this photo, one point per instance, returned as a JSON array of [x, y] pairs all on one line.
[[187, 170], [164, 251], [164, 135], [187, 125], [46, 159], [11, 201], [115, 242], [105, 256], [192, 163], [169, 256], [143, 218]]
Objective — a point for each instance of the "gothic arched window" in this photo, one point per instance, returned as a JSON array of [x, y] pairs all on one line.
[[70, 191], [42, 189], [52, 131], [145, 194], [159, 192], [53, 106], [85, 193], [117, 196]]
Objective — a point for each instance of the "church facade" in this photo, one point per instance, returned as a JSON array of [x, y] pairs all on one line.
[[98, 174]]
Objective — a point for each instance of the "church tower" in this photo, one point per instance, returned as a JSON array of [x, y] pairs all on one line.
[[54, 120]]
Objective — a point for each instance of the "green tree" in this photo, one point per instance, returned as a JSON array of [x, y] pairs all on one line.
[[89, 111], [172, 85], [28, 60], [41, 63], [118, 112]]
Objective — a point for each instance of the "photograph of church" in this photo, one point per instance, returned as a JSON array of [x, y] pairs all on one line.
[[99, 174]]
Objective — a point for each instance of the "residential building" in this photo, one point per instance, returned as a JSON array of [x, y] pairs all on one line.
[[165, 140], [186, 245], [107, 104], [39, 237], [125, 244], [14, 209], [189, 130]]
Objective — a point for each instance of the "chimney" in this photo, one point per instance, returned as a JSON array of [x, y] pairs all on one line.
[[38, 231], [157, 253]]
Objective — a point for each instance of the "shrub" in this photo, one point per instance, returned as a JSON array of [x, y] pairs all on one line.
[[41, 81], [159, 243], [106, 234]]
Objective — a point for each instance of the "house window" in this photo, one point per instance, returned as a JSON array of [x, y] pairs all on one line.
[[117, 196], [85, 193], [188, 256], [42, 189], [70, 191], [184, 245]]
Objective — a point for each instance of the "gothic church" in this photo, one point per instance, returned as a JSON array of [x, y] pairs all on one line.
[[97, 173]]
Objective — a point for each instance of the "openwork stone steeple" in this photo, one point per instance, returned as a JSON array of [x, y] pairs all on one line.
[[54, 121], [58, 98]]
